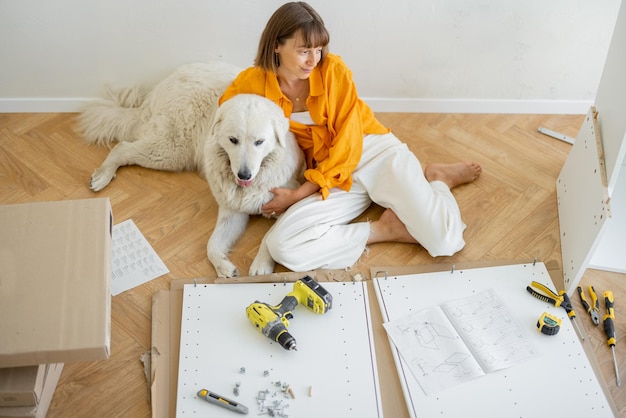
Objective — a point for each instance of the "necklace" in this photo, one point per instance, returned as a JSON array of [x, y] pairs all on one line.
[[303, 87]]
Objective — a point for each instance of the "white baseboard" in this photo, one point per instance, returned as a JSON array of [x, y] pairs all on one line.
[[557, 107], [42, 105]]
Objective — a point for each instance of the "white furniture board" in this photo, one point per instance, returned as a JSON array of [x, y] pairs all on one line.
[[583, 202], [335, 358], [611, 102], [558, 381], [610, 254]]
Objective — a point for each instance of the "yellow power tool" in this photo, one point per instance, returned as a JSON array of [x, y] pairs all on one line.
[[272, 321]]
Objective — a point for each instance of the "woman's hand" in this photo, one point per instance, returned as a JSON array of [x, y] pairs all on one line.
[[283, 198]]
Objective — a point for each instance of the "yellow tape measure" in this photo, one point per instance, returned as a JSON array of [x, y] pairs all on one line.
[[548, 324]]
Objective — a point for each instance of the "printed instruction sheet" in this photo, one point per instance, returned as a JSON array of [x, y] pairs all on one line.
[[459, 341], [134, 261]]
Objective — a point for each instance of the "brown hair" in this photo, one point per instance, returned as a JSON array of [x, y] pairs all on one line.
[[286, 21]]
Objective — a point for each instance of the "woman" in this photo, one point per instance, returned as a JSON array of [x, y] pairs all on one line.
[[352, 159]]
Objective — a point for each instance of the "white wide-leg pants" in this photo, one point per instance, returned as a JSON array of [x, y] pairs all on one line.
[[316, 233]]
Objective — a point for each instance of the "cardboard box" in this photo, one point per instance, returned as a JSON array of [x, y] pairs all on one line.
[[55, 271], [51, 375], [22, 386]]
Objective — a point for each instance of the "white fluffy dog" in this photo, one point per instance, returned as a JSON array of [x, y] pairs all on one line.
[[243, 148]]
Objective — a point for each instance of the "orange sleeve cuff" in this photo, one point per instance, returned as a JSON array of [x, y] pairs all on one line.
[[318, 178]]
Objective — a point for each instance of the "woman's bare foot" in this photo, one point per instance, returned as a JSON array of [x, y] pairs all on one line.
[[389, 228], [453, 174]]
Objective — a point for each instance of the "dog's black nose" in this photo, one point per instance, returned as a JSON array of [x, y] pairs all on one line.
[[244, 174]]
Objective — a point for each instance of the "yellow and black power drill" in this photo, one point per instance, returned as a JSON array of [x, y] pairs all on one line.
[[272, 321]]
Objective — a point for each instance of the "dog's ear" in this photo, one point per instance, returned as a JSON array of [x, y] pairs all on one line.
[[217, 120], [281, 128]]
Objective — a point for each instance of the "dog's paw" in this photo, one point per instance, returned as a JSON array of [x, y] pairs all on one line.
[[263, 262], [226, 269], [100, 179], [261, 266]]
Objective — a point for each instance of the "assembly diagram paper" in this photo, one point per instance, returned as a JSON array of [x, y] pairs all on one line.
[[134, 261], [458, 341]]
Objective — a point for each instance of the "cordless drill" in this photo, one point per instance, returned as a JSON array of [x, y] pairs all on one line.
[[272, 321]]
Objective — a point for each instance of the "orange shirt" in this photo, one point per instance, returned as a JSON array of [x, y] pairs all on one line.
[[334, 144]]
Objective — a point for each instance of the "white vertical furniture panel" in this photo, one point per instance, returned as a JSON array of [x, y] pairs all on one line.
[[583, 203], [335, 358], [557, 382], [611, 106], [611, 102], [610, 254]]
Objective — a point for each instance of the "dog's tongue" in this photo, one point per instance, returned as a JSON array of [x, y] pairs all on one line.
[[244, 183]]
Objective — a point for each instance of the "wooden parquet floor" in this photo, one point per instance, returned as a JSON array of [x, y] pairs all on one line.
[[510, 211]]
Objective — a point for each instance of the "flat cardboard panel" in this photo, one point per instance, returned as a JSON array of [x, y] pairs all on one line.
[[21, 386], [160, 354], [55, 269], [51, 378]]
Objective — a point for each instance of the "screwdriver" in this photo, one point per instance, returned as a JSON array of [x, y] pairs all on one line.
[[609, 328], [569, 308]]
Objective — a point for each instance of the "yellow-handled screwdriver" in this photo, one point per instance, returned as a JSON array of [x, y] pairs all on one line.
[[609, 328]]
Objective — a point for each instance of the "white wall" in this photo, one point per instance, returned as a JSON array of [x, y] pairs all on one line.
[[495, 56]]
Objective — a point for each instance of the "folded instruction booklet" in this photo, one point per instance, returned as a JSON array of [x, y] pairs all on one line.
[[459, 341]]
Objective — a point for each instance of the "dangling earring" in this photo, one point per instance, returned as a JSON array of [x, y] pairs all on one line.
[[276, 59]]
